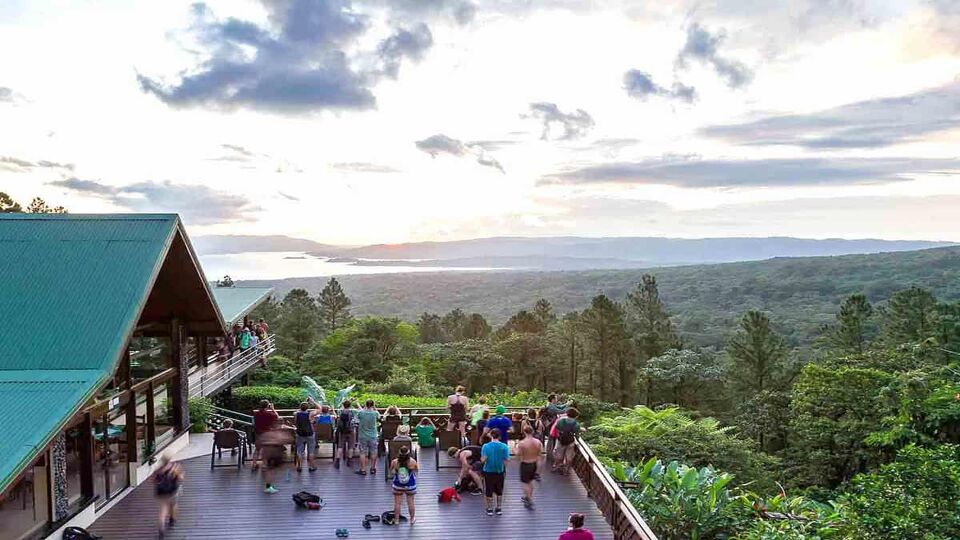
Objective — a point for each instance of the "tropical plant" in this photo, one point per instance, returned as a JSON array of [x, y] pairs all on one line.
[[678, 501], [318, 394], [790, 518], [200, 410]]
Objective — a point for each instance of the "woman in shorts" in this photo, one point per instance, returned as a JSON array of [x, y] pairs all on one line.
[[404, 469]]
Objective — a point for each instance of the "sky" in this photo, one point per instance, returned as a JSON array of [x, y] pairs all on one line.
[[370, 121]]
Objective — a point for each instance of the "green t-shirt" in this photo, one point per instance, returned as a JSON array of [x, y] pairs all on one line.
[[425, 436], [368, 424]]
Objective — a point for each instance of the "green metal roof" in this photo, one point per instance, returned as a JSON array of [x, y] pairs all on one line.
[[71, 291], [235, 302]]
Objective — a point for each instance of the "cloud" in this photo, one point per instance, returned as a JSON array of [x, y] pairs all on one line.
[[303, 60], [443, 144], [703, 47], [865, 124], [696, 173], [640, 85], [402, 44], [288, 197], [575, 124], [14, 164], [6, 95], [492, 145], [195, 203], [364, 167], [461, 11]]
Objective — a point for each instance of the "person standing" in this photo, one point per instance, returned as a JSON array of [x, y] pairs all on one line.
[[551, 412], [528, 450], [263, 420], [346, 433], [457, 405], [494, 456], [499, 422], [306, 438], [404, 471], [368, 437], [567, 428], [576, 531], [477, 410], [167, 480], [245, 339]]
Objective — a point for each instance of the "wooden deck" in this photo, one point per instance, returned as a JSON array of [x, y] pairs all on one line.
[[226, 503]]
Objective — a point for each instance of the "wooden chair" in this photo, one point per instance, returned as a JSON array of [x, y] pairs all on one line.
[[325, 435], [393, 450], [388, 430], [446, 439], [230, 439], [473, 435]]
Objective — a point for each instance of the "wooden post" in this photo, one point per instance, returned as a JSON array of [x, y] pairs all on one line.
[[86, 456], [151, 421], [202, 350], [131, 428], [179, 384]]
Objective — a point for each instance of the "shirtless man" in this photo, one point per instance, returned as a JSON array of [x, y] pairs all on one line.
[[528, 450], [457, 404]]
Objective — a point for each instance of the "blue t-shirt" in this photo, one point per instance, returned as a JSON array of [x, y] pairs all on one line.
[[324, 419], [495, 452], [503, 424], [368, 424]]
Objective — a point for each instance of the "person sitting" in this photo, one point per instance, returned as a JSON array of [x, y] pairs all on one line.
[[325, 417], [392, 414], [482, 423], [229, 436], [403, 435], [576, 531], [425, 430]]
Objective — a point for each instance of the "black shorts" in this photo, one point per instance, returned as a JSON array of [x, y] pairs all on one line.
[[528, 471], [493, 483]]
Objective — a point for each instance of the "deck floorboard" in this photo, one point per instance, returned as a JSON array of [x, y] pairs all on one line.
[[226, 503]]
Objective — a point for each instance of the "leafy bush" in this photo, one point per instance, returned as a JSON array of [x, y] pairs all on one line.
[[385, 400], [798, 518], [404, 381], [280, 371], [200, 410], [671, 434], [916, 496], [247, 398], [680, 502]]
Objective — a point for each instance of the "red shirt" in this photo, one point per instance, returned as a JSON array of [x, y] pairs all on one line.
[[576, 534], [263, 420]]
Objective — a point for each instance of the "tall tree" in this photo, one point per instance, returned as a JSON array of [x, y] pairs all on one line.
[[430, 330], [476, 327], [605, 335], [227, 281], [39, 206], [524, 322], [650, 325], [757, 352], [684, 372], [850, 334], [544, 312], [910, 316], [334, 306], [566, 342], [268, 310], [298, 323], [8, 205], [453, 325]]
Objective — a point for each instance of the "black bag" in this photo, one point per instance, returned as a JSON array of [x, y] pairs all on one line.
[[79, 533], [304, 497]]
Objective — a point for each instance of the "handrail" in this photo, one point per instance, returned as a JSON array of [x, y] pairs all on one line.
[[213, 379], [626, 522]]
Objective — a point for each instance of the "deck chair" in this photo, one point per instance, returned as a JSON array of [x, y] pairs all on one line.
[[388, 430], [325, 435], [393, 450], [446, 439], [229, 439], [473, 436]]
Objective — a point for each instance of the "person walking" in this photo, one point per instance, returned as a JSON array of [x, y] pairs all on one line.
[[167, 481], [272, 447], [404, 471], [551, 412], [575, 531], [566, 428], [346, 433], [494, 456], [245, 338], [457, 405], [368, 437], [528, 450]]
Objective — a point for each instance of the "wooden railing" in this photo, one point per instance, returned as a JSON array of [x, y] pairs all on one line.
[[626, 522], [217, 375]]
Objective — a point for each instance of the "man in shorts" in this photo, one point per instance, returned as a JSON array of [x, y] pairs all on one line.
[[567, 429], [494, 456], [529, 452], [367, 437], [470, 466], [306, 438], [272, 450], [346, 433]]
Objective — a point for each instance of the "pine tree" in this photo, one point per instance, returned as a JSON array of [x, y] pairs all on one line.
[[544, 312], [650, 325], [476, 327], [429, 327], [8, 205], [334, 306], [605, 336], [910, 316], [757, 352], [850, 333], [453, 325], [298, 324]]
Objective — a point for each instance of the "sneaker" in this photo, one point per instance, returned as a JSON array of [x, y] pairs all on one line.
[[271, 490], [527, 503], [476, 491], [489, 511], [499, 512], [311, 469]]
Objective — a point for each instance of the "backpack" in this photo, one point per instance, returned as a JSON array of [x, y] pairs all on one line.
[[345, 418], [304, 498], [403, 476], [166, 482], [565, 436], [79, 533]]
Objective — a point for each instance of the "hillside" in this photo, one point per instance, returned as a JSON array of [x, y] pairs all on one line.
[[706, 300]]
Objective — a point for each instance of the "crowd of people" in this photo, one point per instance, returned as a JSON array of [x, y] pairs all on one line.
[[244, 336], [361, 434]]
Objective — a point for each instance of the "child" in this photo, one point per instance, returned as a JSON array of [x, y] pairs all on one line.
[[425, 430]]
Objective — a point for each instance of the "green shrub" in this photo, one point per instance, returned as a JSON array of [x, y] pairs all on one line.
[[200, 410], [245, 399], [280, 371], [809, 519]]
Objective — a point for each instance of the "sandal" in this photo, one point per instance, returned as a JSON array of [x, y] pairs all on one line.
[[361, 473]]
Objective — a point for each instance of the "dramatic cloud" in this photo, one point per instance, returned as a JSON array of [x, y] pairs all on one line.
[[297, 63], [575, 124], [442, 144], [640, 85], [693, 173], [703, 47], [364, 167], [13, 164], [872, 123], [195, 203]]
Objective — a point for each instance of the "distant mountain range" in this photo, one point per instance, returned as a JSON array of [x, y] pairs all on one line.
[[562, 253]]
